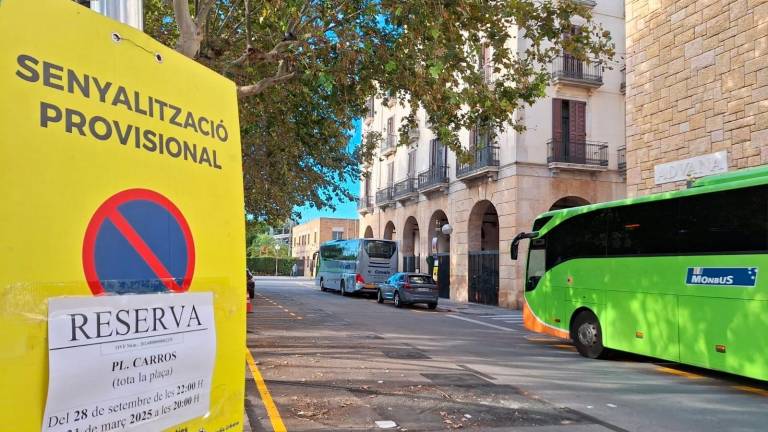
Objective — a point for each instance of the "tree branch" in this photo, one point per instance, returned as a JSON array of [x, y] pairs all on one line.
[[263, 84], [190, 29]]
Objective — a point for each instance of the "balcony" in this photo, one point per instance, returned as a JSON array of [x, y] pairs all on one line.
[[389, 144], [621, 157], [576, 154], [365, 205], [405, 189], [485, 163], [435, 178], [384, 197], [572, 71]]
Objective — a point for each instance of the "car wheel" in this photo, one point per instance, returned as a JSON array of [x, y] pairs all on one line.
[[343, 291], [397, 301], [587, 335], [432, 305], [379, 297]]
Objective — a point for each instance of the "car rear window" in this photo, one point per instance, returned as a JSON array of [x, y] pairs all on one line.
[[380, 249], [421, 279]]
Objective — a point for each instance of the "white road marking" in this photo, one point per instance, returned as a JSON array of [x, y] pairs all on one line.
[[481, 323]]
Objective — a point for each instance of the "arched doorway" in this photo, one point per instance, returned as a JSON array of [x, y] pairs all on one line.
[[410, 249], [368, 232], [483, 256], [440, 248], [568, 202], [389, 231]]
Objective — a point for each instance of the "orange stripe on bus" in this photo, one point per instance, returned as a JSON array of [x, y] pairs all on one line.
[[533, 323]]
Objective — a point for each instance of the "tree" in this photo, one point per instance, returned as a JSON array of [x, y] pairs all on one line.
[[304, 69]]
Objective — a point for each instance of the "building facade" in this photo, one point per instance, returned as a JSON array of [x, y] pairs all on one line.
[[306, 239], [569, 154], [282, 234], [697, 90]]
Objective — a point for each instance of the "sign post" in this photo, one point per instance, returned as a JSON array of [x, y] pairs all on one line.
[[122, 230]]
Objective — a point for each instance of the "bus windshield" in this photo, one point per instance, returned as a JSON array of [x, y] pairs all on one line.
[[380, 249]]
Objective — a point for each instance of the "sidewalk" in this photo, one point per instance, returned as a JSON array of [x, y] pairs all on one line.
[[449, 305]]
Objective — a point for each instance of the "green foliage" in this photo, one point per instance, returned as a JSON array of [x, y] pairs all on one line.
[[305, 68], [266, 266]]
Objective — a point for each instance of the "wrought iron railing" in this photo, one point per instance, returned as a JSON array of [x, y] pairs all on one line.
[[577, 151], [364, 203], [484, 157], [404, 188], [621, 155], [433, 176], [384, 196], [389, 143], [571, 68]]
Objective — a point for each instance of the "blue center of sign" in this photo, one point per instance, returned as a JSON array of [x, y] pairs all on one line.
[[123, 267]]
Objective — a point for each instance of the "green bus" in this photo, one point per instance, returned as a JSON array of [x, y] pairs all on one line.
[[674, 275]]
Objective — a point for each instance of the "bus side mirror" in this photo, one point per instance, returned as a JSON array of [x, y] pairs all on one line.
[[513, 248]]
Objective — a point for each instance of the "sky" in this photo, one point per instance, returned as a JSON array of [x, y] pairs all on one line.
[[343, 209]]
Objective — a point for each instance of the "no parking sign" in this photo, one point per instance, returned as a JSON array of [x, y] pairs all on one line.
[[138, 241], [122, 254]]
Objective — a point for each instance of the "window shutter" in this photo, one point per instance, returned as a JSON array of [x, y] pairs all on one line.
[[578, 131]]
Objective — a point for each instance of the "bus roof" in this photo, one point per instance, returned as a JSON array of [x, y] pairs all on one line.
[[330, 242], [733, 180]]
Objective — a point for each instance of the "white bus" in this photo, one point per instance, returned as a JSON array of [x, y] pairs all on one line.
[[353, 266]]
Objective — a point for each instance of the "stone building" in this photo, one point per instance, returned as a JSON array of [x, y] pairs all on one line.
[[697, 90], [568, 155], [307, 237]]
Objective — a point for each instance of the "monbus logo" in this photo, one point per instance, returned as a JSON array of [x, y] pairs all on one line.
[[727, 276]]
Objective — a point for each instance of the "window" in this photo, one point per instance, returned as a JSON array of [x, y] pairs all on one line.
[[539, 223], [369, 107], [331, 252], [411, 163], [732, 221], [536, 263], [728, 221], [337, 234], [569, 130], [349, 250], [643, 229], [439, 153], [580, 236], [380, 249], [314, 237], [421, 279]]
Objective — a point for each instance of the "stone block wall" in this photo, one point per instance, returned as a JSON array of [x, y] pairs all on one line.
[[697, 83]]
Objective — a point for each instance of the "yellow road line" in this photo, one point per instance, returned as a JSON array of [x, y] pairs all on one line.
[[677, 372], [269, 404], [753, 390]]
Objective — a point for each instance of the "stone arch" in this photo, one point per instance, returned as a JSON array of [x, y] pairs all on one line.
[[440, 257], [568, 202], [436, 222], [483, 255], [483, 229], [368, 232], [410, 245], [389, 231]]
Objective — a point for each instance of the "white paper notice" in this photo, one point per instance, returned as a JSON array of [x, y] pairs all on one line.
[[129, 362]]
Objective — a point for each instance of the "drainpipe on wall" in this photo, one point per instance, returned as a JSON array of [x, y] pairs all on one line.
[[129, 12]]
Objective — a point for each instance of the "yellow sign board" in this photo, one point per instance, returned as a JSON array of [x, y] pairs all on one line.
[[120, 159]]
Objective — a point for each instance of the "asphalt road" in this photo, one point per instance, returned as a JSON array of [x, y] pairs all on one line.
[[338, 363]]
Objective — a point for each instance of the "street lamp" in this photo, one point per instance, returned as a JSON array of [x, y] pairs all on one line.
[[277, 248]]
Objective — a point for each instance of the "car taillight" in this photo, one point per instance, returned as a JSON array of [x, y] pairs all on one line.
[[359, 278], [407, 286]]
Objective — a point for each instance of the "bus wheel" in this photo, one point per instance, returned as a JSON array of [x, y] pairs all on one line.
[[343, 291], [587, 335], [379, 297], [397, 301]]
